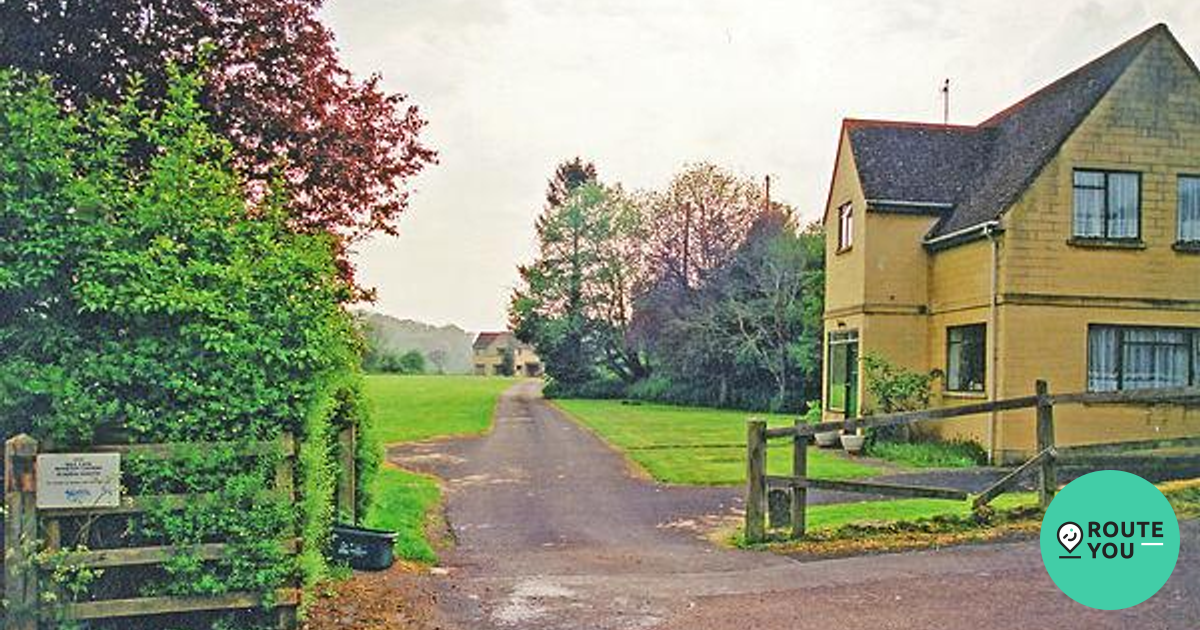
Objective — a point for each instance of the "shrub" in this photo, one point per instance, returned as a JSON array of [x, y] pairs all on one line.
[[929, 453], [603, 388], [138, 292], [894, 389]]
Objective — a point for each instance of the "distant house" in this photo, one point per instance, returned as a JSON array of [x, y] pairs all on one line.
[[1057, 240], [491, 349]]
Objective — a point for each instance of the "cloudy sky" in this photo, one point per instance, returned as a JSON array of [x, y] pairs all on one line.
[[641, 87]]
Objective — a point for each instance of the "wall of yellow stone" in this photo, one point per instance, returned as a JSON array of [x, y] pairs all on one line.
[[847, 267], [896, 264], [1150, 123]]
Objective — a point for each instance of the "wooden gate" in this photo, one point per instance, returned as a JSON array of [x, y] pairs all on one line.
[[29, 530]]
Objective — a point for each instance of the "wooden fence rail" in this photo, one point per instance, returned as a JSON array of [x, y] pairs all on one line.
[[1045, 462], [27, 528]]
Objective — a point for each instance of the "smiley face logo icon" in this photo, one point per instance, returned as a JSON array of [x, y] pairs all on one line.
[[1069, 536]]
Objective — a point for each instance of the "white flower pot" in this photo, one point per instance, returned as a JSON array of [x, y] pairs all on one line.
[[853, 444], [827, 439]]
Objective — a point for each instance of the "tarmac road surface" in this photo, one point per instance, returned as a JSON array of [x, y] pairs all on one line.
[[553, 531]]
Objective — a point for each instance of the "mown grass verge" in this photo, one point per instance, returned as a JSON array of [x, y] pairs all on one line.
[[414, 408], [845, 529], [404, 502], [697, 445]]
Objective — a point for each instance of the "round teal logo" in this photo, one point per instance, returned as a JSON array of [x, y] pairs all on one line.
[[1110, 540]]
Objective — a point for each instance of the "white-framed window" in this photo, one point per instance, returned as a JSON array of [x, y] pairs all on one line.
[[845, 226], [1107, 204], [1142, 357], [1188, 216]]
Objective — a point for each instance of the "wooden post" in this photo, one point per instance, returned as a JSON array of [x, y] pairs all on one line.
[[285, 483], [800, 472], [20, 533], [756, 480], [1048, 474], [346, 491]]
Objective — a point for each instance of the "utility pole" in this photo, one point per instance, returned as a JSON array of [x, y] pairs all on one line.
[[768, 199]]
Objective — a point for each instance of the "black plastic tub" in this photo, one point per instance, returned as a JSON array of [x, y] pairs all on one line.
[[364, 549]]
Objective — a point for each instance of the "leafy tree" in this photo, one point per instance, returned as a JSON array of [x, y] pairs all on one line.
[[568, 176], [275, 90], [547, 310], [389, 362], [698, 222], [576, 300], [508, 363], [411, 362], [137, 293], [438, 359], [751, 336]]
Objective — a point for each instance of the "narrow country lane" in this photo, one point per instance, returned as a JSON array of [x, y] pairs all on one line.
[[553, 532]]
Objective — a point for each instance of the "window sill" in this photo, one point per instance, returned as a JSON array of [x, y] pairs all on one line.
[[1107, 243], [1187, 247], [965, 395]]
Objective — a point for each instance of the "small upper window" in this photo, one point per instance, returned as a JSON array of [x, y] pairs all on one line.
[[1107, 205], [845, 227], [1189, 209]]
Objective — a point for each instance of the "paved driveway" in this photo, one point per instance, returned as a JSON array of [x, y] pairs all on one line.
[[554, 533]]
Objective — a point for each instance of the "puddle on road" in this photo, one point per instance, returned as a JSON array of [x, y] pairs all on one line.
[[527, 602], [483, 479]]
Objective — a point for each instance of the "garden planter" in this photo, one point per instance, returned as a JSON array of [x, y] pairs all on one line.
[[364, 549], [827, 439], [853, 444]]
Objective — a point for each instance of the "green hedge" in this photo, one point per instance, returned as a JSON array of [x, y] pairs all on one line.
[[139, 292]]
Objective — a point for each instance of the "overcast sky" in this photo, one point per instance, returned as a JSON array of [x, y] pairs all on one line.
[[641, 87]]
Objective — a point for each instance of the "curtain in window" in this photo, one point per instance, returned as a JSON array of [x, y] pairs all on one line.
[[1102, 359], [1089, 204], [1195, 358], [1155, 358], [1189, 209], [1123, 205]]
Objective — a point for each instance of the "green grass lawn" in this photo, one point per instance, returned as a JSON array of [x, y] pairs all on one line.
[[412, 408], [833, 516], [402, 503], [666, 441]]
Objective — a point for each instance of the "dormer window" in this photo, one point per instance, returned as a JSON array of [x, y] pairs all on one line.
[[845, 227]]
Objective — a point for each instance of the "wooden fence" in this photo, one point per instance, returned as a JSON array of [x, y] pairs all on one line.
[[28, 530], [1045, 462]]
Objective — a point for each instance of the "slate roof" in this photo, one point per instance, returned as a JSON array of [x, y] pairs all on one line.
[[486, 339], [970, 174]]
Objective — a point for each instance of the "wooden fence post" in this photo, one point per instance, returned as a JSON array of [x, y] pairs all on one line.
[[20, 532], [285, 483], [800, 472], [346, 492], [756, 480], [1048, 474]]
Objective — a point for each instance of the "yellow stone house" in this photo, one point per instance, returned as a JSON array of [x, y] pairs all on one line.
[[1057, 240], [490, 349]]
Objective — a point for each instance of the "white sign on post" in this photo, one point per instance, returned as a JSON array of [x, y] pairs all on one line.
[[78, 480]]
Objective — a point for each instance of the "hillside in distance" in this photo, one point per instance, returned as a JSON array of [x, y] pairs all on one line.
[[447, 348]]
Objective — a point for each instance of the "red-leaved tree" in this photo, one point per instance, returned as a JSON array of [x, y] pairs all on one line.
[[276, 89]]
